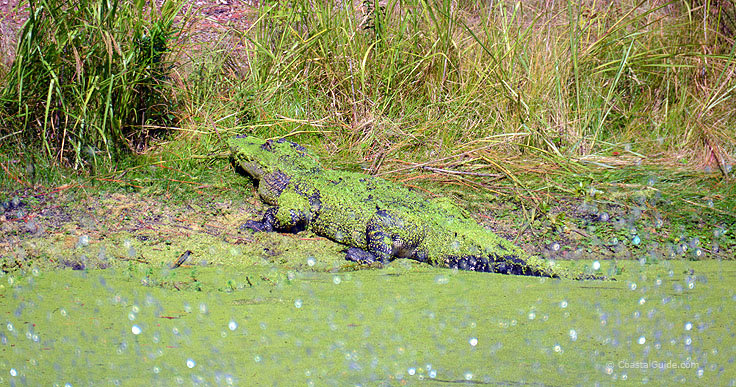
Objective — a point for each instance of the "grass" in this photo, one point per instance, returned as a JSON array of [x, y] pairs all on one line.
[[89, 80], [409, 80], [562, 82]]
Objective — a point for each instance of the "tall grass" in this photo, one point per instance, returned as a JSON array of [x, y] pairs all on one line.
[[428, 78], [415, 80], [89, 79]]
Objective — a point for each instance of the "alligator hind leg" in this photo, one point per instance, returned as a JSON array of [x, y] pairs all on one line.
[[390, 236], [379, 250], [387, 237], [358, 255]]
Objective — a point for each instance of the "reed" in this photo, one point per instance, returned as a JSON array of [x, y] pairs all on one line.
[[90, 79]]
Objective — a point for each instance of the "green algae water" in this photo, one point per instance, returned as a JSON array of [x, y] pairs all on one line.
[[407, 324]]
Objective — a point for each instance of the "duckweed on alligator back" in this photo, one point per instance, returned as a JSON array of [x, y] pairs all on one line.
[[377, 219]]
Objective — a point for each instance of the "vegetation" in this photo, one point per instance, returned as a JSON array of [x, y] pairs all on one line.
[[571, 81], [606, 102], [410, 78], [401, 325], [89, 79]]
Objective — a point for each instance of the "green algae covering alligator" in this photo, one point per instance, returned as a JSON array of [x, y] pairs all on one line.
[[378, 219]]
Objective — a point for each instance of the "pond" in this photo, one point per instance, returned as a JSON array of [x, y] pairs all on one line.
[[407, 324]]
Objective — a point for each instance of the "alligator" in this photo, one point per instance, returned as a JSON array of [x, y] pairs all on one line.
[[377, 219]]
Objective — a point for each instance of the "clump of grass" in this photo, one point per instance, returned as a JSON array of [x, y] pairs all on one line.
[[421, 80], [89, 79]]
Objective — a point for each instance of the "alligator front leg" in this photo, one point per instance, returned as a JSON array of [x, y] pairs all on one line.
[[266, 224], [274, 219]]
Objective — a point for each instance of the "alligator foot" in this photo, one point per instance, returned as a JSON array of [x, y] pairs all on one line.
[[257, 226], [266, 224], [358, 255]]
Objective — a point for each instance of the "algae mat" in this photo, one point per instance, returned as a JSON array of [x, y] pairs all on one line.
[[404, 325]]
